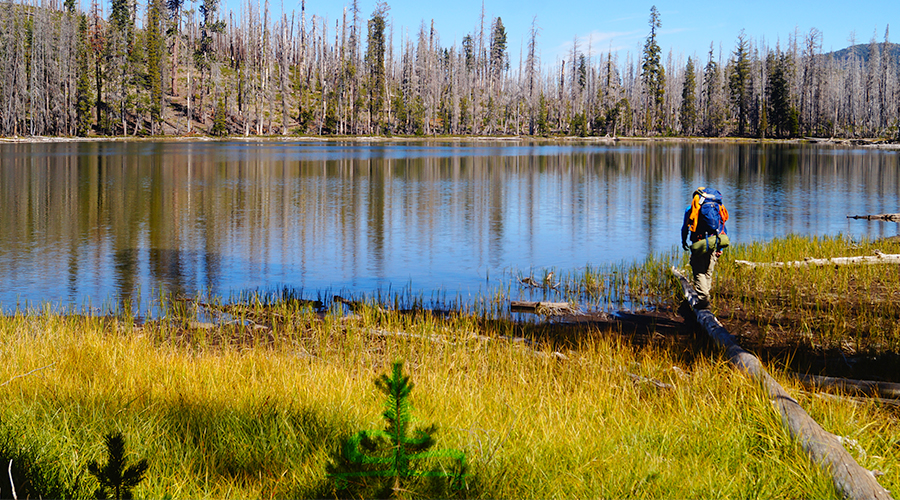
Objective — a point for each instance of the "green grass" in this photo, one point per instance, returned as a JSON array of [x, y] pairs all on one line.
[[257, 408], [853, 307], [236, 412]]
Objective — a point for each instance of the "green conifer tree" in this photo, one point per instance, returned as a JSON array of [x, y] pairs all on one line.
[[154, 62], [778, 98], [378, 463], [498, 49], [689, 99], [83, 102], [220, 119], [653, 74], [375, 64], [739, 83]]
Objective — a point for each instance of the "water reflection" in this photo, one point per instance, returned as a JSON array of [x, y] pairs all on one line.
[[100, 221]]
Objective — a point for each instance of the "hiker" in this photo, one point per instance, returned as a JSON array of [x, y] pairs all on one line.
[[704, 222]]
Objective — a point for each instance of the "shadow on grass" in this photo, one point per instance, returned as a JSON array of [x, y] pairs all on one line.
[[287, 451], [26, 472]]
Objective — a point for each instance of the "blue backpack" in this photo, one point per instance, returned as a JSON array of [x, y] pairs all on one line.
[[707, 220], [712, 213]]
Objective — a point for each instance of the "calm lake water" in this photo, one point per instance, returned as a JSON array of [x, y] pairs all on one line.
[[89, 223]]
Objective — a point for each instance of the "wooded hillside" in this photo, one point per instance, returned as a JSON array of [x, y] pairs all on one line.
[[162, 69]]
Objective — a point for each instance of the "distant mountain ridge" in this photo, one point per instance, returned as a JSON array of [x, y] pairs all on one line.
[[862, 51]]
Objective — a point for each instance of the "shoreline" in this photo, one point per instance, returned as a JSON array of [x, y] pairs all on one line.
[[872, 143]]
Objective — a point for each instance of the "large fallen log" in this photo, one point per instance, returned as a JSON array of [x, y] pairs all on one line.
[[885, 217], [823, 447], [878, 258], [851, 386]]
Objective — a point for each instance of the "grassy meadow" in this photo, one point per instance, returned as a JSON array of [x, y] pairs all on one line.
[[855, 308], [258, 406]]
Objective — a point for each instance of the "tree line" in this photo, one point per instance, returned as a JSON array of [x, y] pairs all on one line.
[[165, 69]]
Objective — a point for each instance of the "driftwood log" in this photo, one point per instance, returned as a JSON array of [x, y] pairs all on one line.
[[545, 308], [878, 258], [824, 448], [885, 217]]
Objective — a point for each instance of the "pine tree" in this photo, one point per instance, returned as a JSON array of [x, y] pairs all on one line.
[[689, 100], [739, 83], [121, 67], [98, 47], [653, 75], [83, 85], [531, 75], [498, 61], [220, 123], [712, 98], [375, 65], [778, 99], [116, 477], [154, 62], [370, 457]]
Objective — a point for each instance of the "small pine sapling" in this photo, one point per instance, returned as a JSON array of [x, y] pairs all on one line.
[[374, 462], [116, 478]]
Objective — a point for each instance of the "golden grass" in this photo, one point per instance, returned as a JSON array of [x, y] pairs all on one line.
[[239, 413], [235, 411]]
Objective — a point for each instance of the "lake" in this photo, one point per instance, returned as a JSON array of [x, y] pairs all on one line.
[[87, 224]]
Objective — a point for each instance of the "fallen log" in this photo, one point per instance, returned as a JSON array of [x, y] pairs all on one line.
[[545, 308], [851, 386], [823, 447], [855, 399], [878, 258], [885, 217], [358, 305]]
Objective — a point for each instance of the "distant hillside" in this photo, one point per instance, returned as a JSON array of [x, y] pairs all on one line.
[[862, 51]]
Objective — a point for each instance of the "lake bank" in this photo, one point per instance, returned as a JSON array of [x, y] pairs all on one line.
[[855, 142]]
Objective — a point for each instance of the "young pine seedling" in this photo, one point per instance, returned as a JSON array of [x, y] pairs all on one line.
[[375, 462]]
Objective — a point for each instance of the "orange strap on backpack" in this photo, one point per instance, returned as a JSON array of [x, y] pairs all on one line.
[[696, 201]]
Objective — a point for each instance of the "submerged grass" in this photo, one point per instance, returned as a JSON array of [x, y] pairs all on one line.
[[242, 410]]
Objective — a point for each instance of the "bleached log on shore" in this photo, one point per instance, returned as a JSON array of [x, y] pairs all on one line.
[[824, 448], [878, 258]]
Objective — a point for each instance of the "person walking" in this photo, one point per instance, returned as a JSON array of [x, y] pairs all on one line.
[[704, 227]]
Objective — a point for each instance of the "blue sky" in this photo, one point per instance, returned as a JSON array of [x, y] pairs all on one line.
[[688, 26]]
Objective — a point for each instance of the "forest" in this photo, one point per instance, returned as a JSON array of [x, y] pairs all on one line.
[[164, 69]]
